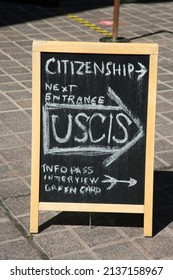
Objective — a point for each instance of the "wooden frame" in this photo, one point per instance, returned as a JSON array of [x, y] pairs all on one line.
[[94, 48]]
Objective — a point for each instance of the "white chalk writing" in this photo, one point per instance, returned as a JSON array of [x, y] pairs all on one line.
[[70, 179], [56, 67], [114, 122], [51, 98], [121, 120], [61, 169]]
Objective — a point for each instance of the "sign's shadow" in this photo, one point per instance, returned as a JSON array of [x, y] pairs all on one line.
[[162, 217], [163, 200]]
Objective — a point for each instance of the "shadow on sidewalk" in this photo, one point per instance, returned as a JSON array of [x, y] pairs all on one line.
[[19, 11], [163, 210], [14, 12], [163, 200]]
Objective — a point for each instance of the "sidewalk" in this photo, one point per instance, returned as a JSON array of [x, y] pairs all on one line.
[[74, 235]]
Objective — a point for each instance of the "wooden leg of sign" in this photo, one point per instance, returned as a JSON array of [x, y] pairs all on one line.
[[35, 172], [148, 201], [148, 222], [34, 221], [149, 172], [34, 204]]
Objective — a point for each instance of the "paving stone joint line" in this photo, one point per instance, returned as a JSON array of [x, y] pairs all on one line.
[[23, 231]]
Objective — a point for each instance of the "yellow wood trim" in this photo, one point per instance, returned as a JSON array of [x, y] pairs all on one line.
[[95, 47], [35, 174], [91, 207], [150, 137]]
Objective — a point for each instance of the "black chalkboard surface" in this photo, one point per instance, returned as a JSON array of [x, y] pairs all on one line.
[[93, 123], [93, 127]]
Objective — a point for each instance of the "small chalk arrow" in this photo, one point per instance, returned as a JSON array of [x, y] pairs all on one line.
[[142, 71], [114, 181]]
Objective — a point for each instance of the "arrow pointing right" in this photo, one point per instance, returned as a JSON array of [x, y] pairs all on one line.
[[142, 71], [120, 106], [51, 110], [113, 182]]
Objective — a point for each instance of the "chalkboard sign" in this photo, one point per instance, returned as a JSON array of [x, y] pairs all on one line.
[[93, 128]]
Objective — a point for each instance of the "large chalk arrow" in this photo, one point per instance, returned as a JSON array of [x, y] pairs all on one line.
[[85, 149], [116, 154], [113, 182]]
